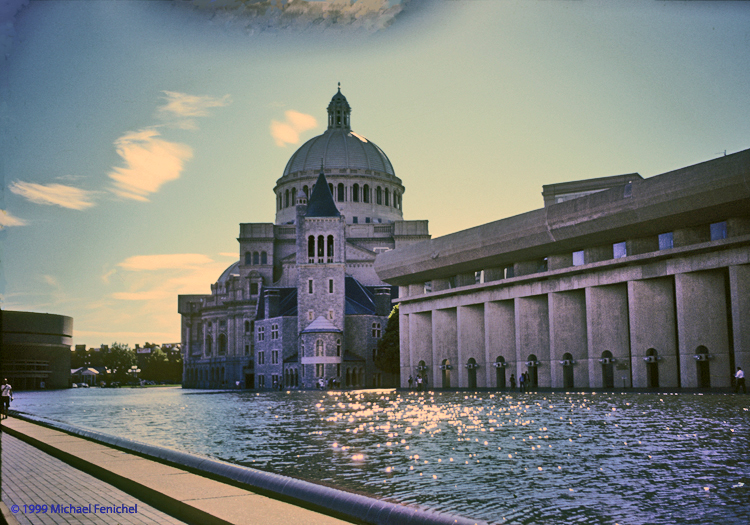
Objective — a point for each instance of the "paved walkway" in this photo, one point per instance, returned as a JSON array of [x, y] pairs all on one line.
[[31, 476]]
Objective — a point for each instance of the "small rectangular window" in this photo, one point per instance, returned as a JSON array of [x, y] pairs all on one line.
[[508, 272], [367, 220], [247, 349], [310, 315], [666, 241], [619, 250], [309, 286], [355, 220], [578, 258], [428, 287], [253, 288], [330, 285], [479, 277], [719, 231]]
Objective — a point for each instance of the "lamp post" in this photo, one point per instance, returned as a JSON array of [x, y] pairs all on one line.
[[134, 370]]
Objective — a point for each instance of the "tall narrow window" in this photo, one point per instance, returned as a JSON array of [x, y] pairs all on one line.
[[340, 192], [387, 197], [319, 348], [294, 196], [286, 199], [330, 187], [311, 249], [321, 248], [248, 258], [338, 347], [355, 193], [247, 326], [330, 248], [263, 258], [330, 285], [366, 193], [256, 258], [306, 190], [376, 330], [309, 286], [378, 195]]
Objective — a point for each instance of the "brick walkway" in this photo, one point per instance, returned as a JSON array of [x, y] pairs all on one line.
[[32, 477]]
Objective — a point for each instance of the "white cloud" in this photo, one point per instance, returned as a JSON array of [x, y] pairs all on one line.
[[54, 194], [228, 254], [184, 105], [50, 280], [288, 132], [149, 163], [7, 219], [170, 261]]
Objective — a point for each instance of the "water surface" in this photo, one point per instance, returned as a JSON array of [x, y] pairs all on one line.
[[504, 457]]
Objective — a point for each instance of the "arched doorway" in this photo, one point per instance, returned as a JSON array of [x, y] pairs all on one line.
[[568, 370], [446, 369], [702, 364], [531, 363], [500, 372], [472, 366], [608, 370], [652, 368]]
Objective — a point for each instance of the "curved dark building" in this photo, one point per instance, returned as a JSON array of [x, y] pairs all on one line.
[[36, 349]]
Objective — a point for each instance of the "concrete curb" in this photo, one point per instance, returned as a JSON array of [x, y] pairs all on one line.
[[334, 502]]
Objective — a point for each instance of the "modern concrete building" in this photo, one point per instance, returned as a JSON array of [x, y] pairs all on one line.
[[303, 303], [617, 282], [36, 349]]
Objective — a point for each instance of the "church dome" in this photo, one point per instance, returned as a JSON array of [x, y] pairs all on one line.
[[339, 147], [233, 270]]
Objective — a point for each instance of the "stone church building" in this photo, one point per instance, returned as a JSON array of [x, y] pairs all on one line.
[[303, 303]]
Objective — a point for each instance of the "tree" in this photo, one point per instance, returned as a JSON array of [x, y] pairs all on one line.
[[388, 357], [119, 358]]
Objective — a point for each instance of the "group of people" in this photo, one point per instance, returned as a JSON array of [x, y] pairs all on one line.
[[7, 396], [524, 381], [421, 382]]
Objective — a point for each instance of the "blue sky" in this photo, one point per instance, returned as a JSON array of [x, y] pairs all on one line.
[[136, 136]]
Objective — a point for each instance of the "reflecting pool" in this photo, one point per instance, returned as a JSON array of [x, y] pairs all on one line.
[[504, 457]]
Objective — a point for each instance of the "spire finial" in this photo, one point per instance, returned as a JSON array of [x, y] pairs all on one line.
[[339, 87]]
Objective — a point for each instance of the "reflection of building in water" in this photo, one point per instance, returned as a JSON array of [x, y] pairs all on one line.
[[303, 303], [616, 282], [36, 349]]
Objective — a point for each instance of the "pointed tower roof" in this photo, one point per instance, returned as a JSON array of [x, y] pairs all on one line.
[[321, 201]]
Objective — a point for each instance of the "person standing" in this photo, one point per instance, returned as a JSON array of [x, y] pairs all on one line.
[[521, 382], [740, 381], [513, 381], [7, 396], [410, 382]]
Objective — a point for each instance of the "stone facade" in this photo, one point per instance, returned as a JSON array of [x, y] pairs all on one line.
[[618, 283], [303, 303]]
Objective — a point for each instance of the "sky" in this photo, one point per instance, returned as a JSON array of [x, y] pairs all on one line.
[[136, 136]]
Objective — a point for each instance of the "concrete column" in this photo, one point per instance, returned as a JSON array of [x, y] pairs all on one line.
[[702, 321], [692, 235], [608, 329], [471, 342], [567, 334], [557, 262], [421, 330], [739, 289], [405, 354], [653, 325], [737, 226], [445, 344], [642, 245], [532, 335], [500, 334], [598, 253]]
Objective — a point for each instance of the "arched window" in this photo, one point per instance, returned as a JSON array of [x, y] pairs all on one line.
[[533, 372], [319, 347], [355, 193], [306, 190], [348, 380], [338, 347], [321, 247], [248, 258], [286, 199], [294, 196], [366, 193], [500, 372], [263, 258], [471, 367], [256, 258], [446, 370], [278, 201], [387, 197], [209, 344], [703, 370], [652, 368], [340, 192], [330, 249], [395, 200], [361, 377], [378, 195], [330, 187], [311, 249], [568, 370], [222, 344]]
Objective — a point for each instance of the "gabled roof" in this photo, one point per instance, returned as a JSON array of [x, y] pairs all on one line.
[[321, 325], [287, 303], [321, 201]]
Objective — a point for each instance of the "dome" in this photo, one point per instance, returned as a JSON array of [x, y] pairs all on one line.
[[339, 148], [232, 270]]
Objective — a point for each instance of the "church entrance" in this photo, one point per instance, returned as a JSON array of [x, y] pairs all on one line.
[[250, 381]]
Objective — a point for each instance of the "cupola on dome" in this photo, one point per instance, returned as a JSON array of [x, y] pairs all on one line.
[[339, 147]]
